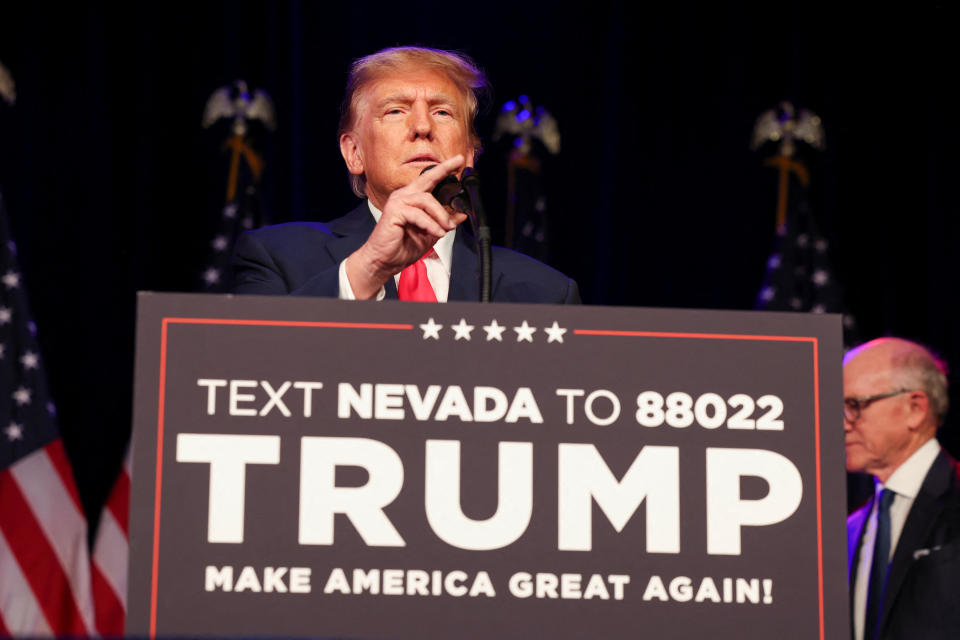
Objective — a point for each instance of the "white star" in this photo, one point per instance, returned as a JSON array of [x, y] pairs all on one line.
[[774, 261], [220, 243], [29, 360], [51, 409], [820, 245], [21, 396], [820, 277], [555, 333], [431, 329], [494, 331], [768, 293], [14, 432], [5, 315], [211, 276], [32, 328], [462, 330], [11, 279], [818, 308], [230, 211], [848, 321], [524, 332], [803, 240]]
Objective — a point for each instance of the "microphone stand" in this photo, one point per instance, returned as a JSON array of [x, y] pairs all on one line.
[[450, 192], [481, 228]]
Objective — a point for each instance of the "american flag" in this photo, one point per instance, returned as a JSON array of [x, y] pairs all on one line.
[[799, 275], [110, 557], [238, 216], [45, 586]]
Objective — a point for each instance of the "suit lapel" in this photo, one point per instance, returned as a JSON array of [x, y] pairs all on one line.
[[920, 521], [857, 525], [352, 230], [464, 285]]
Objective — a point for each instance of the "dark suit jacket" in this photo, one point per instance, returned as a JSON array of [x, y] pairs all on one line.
[[303, 258], [923, 584]]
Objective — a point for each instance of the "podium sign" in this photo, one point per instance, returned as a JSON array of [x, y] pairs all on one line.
[[311, 467]]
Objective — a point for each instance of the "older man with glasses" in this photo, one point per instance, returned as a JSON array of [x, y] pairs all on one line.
[[904, 544]]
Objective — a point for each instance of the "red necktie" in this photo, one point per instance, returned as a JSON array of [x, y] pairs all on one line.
[[414, 284]]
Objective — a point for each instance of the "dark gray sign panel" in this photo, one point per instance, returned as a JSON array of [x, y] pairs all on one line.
[[309, 467]]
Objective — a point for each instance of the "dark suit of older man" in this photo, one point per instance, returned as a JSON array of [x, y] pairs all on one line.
[[923, 585]]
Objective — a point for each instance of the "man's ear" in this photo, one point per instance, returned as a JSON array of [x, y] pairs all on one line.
[[919, 410], [350, 150]]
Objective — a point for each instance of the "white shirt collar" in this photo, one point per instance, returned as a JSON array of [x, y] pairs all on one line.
[[908, 477], [443, 247]]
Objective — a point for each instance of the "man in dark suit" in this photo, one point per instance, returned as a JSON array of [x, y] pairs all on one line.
[[903, 545], [406, 109]]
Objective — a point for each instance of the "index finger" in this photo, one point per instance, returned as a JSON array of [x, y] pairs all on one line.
[[427, 180]]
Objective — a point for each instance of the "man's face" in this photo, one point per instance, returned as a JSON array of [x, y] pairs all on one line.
[[406, 122], [880, 439]]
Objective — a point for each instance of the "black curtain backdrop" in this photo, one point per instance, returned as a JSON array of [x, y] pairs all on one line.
[[656, 199]]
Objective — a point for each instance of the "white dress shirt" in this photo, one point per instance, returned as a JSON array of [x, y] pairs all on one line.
[[905, 482], [438, 265]]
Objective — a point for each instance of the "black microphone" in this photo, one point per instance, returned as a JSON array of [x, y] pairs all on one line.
[[465, 197], [450, 193]]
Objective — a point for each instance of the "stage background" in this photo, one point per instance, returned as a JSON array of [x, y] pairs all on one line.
[[656, 199]]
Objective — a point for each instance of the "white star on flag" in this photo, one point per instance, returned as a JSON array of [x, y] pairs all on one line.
[[21, 396], [462, 330], [14, 432], [11, 279], [230, 211], [431, 329], [768, 293], [494, 331], [211, 276], [820, 277], [29, 360], [555, 333], [524, 332], [220, 243], [5, 315]]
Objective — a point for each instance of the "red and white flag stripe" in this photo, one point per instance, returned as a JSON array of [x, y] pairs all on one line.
[[110, 556], [45, 585]]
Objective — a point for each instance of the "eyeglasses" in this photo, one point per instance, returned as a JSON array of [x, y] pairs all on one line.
[[852, 407]]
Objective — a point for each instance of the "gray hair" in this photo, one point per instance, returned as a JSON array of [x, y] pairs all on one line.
[[917, 367], [461, 70]]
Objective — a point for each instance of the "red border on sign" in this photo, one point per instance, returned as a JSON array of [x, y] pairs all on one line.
[[165, 322]]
